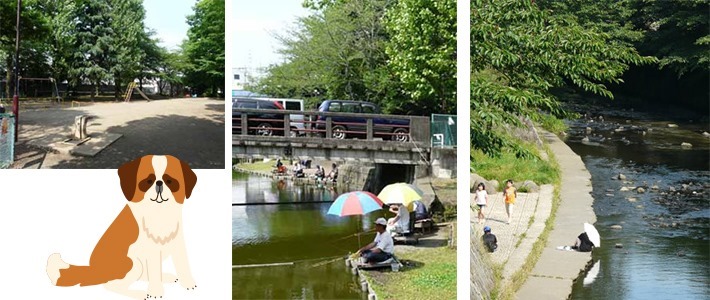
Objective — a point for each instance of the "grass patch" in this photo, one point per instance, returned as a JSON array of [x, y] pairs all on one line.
[[433, 277], [553, 124], [259, 166], [508, 166], [518, 279]]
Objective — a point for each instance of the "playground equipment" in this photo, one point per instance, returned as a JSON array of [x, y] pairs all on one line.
[[129, 91], [34, 89]]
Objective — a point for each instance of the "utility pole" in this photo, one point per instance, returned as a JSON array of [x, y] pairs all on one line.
[[16, 96]]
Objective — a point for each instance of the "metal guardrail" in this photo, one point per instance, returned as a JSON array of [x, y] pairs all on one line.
[[329, 125]]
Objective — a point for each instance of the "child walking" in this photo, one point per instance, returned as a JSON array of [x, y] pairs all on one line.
[[509, 194], [481, 200]]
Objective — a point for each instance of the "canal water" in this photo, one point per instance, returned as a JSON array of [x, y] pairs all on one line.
[[286, 225], [665, 237]]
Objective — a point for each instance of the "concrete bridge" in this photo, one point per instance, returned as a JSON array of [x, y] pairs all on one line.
[[345, 137]]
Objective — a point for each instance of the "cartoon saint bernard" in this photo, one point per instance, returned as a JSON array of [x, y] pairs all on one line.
[[147, 231]]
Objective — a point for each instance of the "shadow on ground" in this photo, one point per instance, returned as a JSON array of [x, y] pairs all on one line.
[[199, 142]]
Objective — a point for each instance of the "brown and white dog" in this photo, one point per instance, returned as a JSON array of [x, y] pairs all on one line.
[[147, 231]]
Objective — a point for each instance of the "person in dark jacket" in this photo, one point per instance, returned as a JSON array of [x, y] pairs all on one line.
[[489, 239], [583, 244]]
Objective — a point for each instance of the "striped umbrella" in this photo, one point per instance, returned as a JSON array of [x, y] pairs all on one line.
[[355, 203]]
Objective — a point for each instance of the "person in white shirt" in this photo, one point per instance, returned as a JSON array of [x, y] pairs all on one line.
[[400, 223], [381, 248], [481, 201]]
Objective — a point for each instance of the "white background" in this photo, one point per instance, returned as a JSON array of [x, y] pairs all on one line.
[[67, 211]]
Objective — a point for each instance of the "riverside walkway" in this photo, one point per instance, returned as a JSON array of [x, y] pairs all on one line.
[[515, 240]]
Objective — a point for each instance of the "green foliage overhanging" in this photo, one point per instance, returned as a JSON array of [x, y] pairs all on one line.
[[519, 53]]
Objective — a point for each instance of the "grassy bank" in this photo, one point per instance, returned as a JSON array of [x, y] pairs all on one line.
[[432, 276], [258, 166], [508, 166]]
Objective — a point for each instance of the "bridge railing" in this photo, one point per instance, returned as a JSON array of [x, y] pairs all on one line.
[[331, 125]]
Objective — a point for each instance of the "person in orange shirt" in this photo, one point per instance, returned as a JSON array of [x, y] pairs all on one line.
[[509, 193]]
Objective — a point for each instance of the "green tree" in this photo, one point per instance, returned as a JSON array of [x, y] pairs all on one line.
[[204, 48], [130, 42], [422, 52], [519, 53]]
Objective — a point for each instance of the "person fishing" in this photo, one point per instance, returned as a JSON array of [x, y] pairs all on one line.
[[382, 248]]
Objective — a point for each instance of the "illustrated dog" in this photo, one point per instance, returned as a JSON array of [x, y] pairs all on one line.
[[147, 231]]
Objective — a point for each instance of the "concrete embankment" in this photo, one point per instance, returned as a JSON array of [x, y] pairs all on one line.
[[555, 271]]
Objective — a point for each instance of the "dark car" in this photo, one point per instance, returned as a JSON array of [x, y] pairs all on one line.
[[344, 127], [265, 124]]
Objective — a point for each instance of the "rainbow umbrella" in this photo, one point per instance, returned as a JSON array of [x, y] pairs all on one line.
[[355, 203]]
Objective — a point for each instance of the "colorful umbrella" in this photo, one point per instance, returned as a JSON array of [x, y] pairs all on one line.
[[401, 193], [355, 203]]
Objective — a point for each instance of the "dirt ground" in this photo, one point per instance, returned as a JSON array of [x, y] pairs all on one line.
[[191, 129]]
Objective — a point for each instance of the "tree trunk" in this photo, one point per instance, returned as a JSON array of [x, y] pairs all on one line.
[[9, 82], [117, 87]]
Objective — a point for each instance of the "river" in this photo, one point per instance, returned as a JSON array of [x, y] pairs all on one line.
[[664, 249], [278, 223]]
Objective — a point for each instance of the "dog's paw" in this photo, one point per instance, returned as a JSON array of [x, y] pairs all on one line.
[[155, 291], [189, 284]]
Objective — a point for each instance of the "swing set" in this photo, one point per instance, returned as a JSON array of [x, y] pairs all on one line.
[[35, 89]]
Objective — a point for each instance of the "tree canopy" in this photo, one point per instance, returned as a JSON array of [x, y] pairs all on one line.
[[519, 52], [105, 42], [364, 50]]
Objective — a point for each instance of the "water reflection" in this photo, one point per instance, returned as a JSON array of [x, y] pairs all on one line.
[[277, 222]]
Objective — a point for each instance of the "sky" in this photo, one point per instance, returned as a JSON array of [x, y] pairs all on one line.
[[168, 18], [254, 24]]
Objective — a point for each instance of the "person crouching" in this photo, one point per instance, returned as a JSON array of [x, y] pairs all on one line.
[[381, 248]]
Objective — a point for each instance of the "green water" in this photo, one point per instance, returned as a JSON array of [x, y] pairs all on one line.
[[266, 232]]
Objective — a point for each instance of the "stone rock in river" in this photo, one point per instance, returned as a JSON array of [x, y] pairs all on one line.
[[672, 125], [640, 190], [686, 145], [621, 177], [655, 187], [615, 227], [632, 199], [588, 129], [619, 246], [706, 134], [672, 189], [610, 195]]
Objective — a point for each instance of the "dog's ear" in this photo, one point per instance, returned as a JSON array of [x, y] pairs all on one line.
[[128, 173], [189, 177]]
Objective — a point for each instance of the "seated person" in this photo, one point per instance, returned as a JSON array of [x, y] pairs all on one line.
[[583, 244], [420, 212], [489, 239], [280, 168], [400, 223], [381, 248], [333, 175], [298, 170], [320, 173]]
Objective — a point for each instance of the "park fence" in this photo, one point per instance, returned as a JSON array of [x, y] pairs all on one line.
[[443, 130], [7, 140]]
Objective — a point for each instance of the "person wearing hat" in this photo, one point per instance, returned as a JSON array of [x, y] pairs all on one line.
[[489, 239], [381, 248]]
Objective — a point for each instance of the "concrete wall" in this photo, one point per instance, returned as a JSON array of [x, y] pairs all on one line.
[[482, 280], [443, 162]]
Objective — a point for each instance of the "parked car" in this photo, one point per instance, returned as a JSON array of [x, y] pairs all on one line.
[[297, 125], [343, 127], [266, 124]]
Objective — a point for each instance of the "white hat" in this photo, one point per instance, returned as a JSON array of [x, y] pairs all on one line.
[[381, 221]]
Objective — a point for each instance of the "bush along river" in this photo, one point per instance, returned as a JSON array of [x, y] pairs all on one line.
[[285, 246], [650, 185]]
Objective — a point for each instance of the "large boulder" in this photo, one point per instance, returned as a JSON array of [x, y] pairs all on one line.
[[491, 185], [529, 186]]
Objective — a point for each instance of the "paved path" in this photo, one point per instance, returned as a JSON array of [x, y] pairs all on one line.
[[515, 240], [191, 129], [555, 272]]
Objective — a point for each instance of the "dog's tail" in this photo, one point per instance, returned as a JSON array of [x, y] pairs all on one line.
[[64, 274]]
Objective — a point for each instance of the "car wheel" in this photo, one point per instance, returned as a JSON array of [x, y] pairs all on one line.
[[339, 132], [265, 129], [400, 135]]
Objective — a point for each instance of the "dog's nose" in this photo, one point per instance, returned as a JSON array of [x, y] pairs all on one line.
[[159, 186], [159, 183]]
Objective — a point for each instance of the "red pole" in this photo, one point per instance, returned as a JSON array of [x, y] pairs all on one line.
[[16, 96]]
